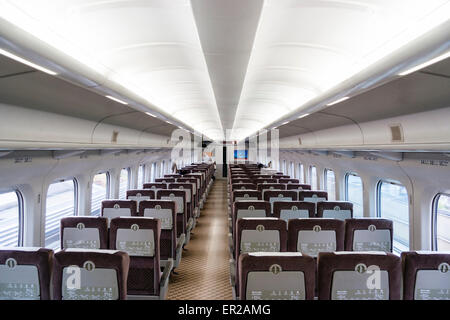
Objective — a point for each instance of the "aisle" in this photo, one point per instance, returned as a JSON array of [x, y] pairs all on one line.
[[204, 268]]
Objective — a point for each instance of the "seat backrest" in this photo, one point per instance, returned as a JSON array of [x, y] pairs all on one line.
[[314, 235], [116, 208], [250, 209], [85, 274], [278, 196], [155, 186], [174, 175], [84, 232], [359, 276], [140, 238], [335, 209], [241, 180], [288, 181], [426, 275], [239, 195], [260, 234], [312, 196], [265, 180], [271, 186], [139, 195], [298, 186], [165, 180], [25, 273], [287, 210], [364, 234], [276, 276], [164, 210], [243, 186], [179, 197]]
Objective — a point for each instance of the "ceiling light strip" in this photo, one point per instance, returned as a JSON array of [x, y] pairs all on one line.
[[26, 62], [425, 64]]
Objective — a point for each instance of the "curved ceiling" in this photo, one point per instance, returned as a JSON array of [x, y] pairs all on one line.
[[149, 46], [230, 65], [303, 48]]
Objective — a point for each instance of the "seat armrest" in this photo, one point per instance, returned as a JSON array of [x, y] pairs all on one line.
[[230, 242], [233, 272], [164, 283]]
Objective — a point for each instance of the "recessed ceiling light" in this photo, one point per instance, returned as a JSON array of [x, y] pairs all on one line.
[[28, 63], [337, 101], [150, 114], [425, 64], [304, 115], [116, 100]]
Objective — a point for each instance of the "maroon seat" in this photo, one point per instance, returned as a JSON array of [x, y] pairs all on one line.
[[164, 210], [156, 185], [273, 196], [312, 196], [271, 186], [288, 181], [84, 232], [298, 186], [264, 180], [179, 196], [165, 180], [25, 273], [139, 195], [311, 236], [243, 186], [287, 210], [335, 210], [426, 275], [188, 189], [241, 180], [368, 234], [140, 238], [116, 208], [276, 276], [238, 195], [249, 209], [104, 270], [257, 235], [359, 276]]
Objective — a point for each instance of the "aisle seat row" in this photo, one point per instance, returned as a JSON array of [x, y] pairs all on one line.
[[126, 253]]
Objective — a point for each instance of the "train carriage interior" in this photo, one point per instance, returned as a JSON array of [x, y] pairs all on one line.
[[225, 150]]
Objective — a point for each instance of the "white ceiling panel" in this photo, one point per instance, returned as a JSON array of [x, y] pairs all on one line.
[[151, 47], [304, 48]]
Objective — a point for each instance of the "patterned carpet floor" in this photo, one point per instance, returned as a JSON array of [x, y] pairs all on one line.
[[204, 272]]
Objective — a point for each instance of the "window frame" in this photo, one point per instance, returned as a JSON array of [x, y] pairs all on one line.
[[108, 186], [301, 172], [346, 184], [325, 181], [21, 212], [311, 178], [434, 214], [75, 200], [128, 187], [378, 208]]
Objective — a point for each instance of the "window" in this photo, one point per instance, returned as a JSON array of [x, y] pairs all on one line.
[[393, 205], [313, 177], [330, 184], [61, 202], [284, 167], [442, 222], [152, 172], [301, 174], [100, 192], [124, 183], [141, 176], [11, 213], [354, 193], [162, 169], [291, 173]]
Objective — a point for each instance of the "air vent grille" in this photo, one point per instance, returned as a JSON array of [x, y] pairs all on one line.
[[114, 136], [396, 133]]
